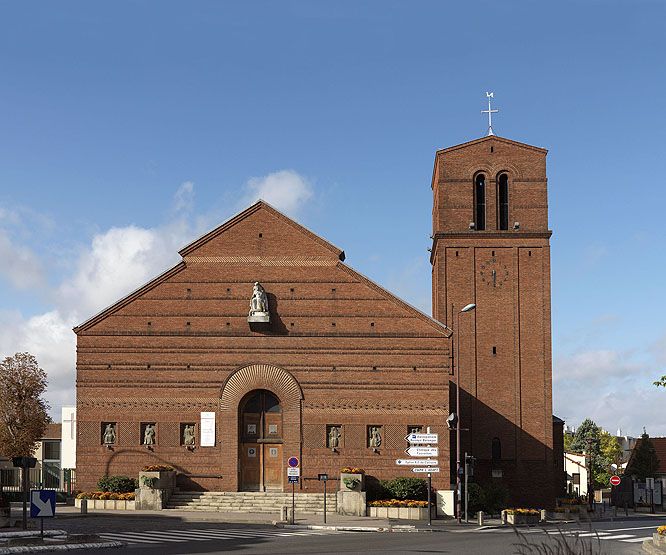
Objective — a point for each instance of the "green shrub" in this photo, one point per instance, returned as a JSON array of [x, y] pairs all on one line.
[[406, 488], [374, 489], [117, 484], [491, 499]]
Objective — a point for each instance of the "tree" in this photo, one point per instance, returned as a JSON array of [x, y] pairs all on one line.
[[661, 382], [643, 462], [23, 412], [611, 454], [568, 439], [601, 448]]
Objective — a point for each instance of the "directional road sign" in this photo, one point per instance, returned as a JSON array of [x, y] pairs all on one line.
[[421, 439], [42, 503], [422, 451], [417, 462], [425, 470], [615, 480]]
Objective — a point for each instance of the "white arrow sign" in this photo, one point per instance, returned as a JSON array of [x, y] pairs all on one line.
[[417, 462], [422, 438], [422, 451], [44, 507], [426, 470]]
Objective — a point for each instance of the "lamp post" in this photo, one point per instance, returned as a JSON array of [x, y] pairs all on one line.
[[467, 308]]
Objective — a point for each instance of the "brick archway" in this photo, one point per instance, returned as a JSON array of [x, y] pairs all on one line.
[[259, 376], [241, 382]]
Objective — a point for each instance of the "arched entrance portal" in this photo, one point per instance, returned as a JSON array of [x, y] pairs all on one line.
[[260, 441]]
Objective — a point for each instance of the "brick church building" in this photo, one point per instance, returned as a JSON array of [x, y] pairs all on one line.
[[262, 344]]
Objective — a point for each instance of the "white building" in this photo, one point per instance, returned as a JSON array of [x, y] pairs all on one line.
[[576, 472]]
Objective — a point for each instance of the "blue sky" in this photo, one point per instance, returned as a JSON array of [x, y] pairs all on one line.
[[127, 130]]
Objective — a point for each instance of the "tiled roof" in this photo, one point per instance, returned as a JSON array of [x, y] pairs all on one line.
[[660, 448], [53, 431]]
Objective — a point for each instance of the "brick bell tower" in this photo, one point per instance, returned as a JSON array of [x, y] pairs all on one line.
[[491, 247]]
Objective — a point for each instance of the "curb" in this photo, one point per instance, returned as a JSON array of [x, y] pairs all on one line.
[[29, 533], [349, 528], [61, 547]]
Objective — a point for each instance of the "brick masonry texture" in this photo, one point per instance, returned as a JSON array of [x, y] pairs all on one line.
[[354, 354], [339, 349], [505, 343]]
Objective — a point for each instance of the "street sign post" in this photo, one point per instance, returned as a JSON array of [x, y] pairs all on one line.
[[414, 451], [42, 505], [615, 480], [417, 462], [422, 439], [324, 478], [425, 470], [293, 473]]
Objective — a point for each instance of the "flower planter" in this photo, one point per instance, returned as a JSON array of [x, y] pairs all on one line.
[[107, 504], [404, 513], [361, 481], [518, 519], [165, 479]]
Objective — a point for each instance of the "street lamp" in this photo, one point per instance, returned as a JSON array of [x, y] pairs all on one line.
[[467, 308]]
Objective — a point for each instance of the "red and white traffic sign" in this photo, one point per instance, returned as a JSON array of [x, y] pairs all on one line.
[[615, 480], [293, 462]]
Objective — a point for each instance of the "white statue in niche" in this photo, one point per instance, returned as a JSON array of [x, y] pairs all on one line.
[[109, 437], [375, 437], [149, 435], [188, 434], [258, 305]]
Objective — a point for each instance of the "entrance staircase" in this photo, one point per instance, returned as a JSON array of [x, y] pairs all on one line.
[[250, 502]]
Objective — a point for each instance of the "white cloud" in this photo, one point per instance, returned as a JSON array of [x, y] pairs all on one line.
[[183, 200], [20, 266], [115, 263], [286, 190], [613, 388], [49, 337]]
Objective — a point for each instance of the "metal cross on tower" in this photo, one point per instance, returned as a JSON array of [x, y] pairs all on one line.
[[490, 113]]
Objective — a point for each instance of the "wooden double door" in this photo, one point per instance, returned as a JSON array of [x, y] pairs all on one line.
[[260, 447]]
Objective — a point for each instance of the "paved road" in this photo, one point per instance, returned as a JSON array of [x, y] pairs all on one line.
[[605, 538]]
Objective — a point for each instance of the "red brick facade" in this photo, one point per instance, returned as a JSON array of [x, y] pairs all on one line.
[[339, 350], [505, 343]]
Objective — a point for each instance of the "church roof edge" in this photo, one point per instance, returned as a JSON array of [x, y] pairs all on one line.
[[490, 138]]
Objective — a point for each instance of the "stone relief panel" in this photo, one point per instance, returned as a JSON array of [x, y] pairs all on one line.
[[375, 436], [109, 436], [333, 436]]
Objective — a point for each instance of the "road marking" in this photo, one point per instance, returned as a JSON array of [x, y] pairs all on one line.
[[208, 534], [636, 540], [618, 537]]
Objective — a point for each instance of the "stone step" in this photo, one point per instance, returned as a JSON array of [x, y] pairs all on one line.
[[250, 502]]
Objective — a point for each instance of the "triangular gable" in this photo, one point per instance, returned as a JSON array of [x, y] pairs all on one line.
[[210, 242], [244, 215]]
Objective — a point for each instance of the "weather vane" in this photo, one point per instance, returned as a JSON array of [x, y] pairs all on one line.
[[490, 113]]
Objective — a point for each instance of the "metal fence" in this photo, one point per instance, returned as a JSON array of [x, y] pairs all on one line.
[[45, 477]]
